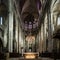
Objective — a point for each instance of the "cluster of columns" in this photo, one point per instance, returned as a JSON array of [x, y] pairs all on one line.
[[46, 40], [13, 33]]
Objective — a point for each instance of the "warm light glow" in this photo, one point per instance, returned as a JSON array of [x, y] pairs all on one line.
[[30, 55], [58, 23], [1, 20], [30, 38]]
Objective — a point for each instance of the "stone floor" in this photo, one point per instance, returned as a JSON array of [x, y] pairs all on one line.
[[30, 59], [21, 58]]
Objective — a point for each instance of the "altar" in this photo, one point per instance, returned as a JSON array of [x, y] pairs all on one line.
[[30, 55]]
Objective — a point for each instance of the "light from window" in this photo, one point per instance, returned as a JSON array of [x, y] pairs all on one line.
[[1, 20], [58, 22], [30, 26]]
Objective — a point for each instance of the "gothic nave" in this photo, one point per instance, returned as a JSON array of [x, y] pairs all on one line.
[[29, 29]]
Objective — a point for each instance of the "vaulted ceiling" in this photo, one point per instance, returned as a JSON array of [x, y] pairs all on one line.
[[29, 10]]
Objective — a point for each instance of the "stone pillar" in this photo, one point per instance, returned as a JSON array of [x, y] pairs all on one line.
[[59, 46], [44, 39], [41, 38], [55, 19], [52, 29], [17, 32], [19, 40], [10, 26], [39, 41], [49, 32], [55, 25]]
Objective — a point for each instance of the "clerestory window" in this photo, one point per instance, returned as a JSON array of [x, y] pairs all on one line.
[[58, 22], [1, 20]]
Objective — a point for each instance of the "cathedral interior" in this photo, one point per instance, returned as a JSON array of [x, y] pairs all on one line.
[[29, 29]]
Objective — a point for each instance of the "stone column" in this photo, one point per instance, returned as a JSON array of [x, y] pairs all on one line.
[[49, 32], [19, 41], [39, 41], [41, 38], [55, 19], [59, 45], [52, 28], [10, 26], [17, 32], [55, 25]]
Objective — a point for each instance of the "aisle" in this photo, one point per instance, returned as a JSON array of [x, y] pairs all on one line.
[[31, 59]]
